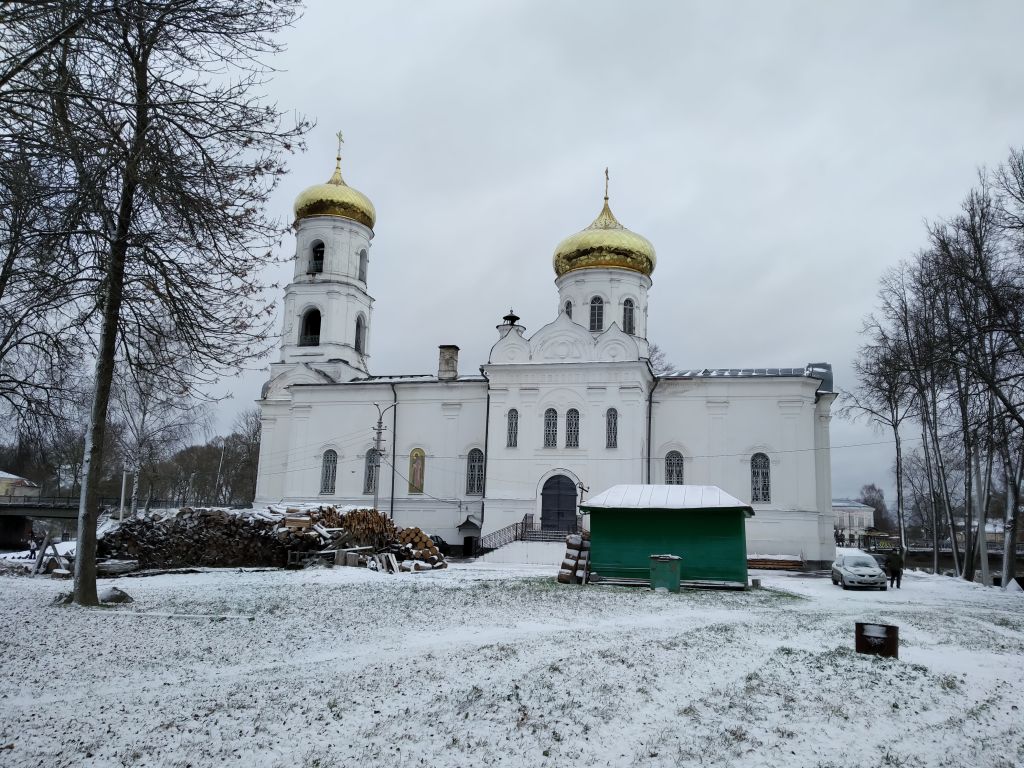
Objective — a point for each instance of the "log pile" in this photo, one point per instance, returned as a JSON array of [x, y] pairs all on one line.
[[253, 538], [416, 551], [575, 568]]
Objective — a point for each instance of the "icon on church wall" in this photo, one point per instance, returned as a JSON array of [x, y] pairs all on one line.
[[417, 467]]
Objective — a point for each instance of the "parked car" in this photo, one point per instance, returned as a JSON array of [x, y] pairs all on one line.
[[442, 546], [858, 570]]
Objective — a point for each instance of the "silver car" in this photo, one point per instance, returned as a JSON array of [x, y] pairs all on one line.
[[858, 570]]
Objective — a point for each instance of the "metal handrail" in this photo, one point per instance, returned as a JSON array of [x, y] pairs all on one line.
[[503, 536]]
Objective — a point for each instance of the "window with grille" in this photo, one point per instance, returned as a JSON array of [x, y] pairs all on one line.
[[572, 428], [512, 435], [550, 428], [329, 471], [611, 429], [372, 471], [673, 468], [628, 324], [475, 473], [760, 479], [568, 308], [596, 314]]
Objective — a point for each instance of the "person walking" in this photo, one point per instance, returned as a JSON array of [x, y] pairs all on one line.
[[895, 562]]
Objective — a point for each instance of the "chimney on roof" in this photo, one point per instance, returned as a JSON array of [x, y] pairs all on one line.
[[448, 362]]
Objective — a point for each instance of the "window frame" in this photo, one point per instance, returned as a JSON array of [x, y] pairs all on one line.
[[675, 468], [550, 428], [317, 257], [329, 472], [364, 264], [629, 317], [596, 315], [572, 428], [371, 471], [760, 478], [512, 428], [611, 428], [475, 473]]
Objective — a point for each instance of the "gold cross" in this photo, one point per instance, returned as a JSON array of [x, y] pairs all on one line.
[[605, 183], [340, 141]]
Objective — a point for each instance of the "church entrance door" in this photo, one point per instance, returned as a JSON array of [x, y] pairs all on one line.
[[558, 504]]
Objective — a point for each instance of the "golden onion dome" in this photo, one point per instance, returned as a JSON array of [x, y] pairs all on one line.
[[605, 243], [335, 198]]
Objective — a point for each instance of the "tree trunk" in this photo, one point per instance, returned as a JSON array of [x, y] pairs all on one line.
[[899, 489], [1010, 519], [88, 507], [931, 498]]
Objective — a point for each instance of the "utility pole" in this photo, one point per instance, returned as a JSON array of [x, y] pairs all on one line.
[[378, 444]]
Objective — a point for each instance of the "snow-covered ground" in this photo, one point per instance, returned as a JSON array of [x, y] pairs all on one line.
[[497, 665]]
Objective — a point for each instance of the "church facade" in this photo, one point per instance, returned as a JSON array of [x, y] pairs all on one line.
[[569, 410]]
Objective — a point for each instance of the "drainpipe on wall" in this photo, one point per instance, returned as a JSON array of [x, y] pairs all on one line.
[[650, 406], [394, 445], [487, 431]]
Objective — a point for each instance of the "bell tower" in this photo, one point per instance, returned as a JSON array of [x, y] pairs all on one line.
[[327, 305]]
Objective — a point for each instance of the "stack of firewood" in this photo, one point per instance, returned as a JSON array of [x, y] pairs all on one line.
[[575, 567], [264, 537], [416, 551]]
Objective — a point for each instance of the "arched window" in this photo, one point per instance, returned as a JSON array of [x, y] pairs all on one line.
[[475, 473], [316, 260], [360, 335], [310, 335], [673, 468], [611, 428], [363, 261], [628, 324], [329, 472], [512, 434], [568, 308], [550, 428], [572, 428], [372, 472], [760, 479], [596, 314]]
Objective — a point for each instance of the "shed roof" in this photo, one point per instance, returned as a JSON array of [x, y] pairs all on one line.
[[666, 497]]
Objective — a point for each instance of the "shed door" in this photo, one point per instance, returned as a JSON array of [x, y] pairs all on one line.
[[558, 504]]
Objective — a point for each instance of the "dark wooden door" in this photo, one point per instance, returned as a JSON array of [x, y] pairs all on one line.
[[558, 504]]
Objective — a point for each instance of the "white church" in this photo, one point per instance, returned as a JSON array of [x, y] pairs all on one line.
[[573, 408]]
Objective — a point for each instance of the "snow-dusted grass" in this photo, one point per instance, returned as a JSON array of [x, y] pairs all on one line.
[[487, 665]]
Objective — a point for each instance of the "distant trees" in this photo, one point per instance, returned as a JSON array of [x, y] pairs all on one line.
[[945, 350], [143, 132], [874, 497]]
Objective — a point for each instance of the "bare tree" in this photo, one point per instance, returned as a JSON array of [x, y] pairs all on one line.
[[660, 363], [154, 108]]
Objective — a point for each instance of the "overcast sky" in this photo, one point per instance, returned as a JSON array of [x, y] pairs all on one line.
[[779, 156]]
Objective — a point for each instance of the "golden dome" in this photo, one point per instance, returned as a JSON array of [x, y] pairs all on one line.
[[335, 198], [605, 243]]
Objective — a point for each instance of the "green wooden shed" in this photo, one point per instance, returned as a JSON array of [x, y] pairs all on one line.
[[702, 524]]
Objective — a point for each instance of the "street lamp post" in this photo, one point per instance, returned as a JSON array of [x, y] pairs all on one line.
[[377, 446]]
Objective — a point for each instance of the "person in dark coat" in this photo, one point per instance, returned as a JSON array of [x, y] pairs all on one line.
[[895, 562]]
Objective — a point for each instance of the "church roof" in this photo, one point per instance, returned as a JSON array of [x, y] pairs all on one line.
[[605, 244], [336, 198], [811, 371]]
